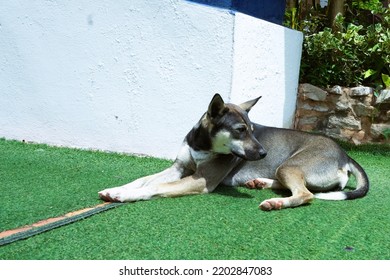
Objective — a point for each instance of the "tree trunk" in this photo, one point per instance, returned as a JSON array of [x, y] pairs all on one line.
[[335, 7]]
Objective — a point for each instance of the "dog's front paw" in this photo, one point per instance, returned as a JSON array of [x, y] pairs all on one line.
[[121, 194], [111, 195], [272, 204]]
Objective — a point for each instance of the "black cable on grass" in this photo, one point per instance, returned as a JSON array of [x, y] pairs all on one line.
[[68, 220]]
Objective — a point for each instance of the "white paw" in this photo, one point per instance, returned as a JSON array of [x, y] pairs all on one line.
[[112, 195], [272, 204], [121, 194]]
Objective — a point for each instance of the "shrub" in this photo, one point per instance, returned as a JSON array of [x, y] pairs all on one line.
[[351, 52]]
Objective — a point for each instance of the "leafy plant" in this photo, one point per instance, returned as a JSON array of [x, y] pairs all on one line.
[[386, 133], [386, 80], [355, 50]]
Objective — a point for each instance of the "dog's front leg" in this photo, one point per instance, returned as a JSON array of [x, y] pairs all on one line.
[[186, 186], [207, 177], [142, 188]]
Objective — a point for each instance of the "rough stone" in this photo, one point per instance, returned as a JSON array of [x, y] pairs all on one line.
[[318, 107], [344, 113], [308, 120], [341, 105], [384, 96], [367, 100], [378, 129], [360, 135], [361, 91], [336, 90], [313, 92], [347, 133], [334, 133], [307, 127], [361, 109], [348, 122]]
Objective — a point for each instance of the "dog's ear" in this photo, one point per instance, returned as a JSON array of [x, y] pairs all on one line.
[[216, 107], [247, 106]]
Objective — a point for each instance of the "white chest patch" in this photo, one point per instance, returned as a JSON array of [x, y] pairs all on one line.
[[185, 153], [200, 156]]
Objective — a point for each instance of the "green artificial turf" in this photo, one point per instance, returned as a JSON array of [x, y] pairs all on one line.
[[39, 181]]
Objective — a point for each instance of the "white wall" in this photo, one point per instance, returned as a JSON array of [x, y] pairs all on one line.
[[266, 63], [133, 76]]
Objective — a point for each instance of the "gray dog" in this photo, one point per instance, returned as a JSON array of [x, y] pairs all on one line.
[[226, 147]]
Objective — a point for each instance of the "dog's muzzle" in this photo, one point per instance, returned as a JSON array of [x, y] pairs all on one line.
[[252, 153], [255, 151], [260, 154]]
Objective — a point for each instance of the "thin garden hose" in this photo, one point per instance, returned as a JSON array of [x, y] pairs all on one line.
[[56, 224]]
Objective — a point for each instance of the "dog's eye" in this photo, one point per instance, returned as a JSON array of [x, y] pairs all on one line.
[[241, 129]]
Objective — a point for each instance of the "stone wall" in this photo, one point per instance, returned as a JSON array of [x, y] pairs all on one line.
[[357, 115]]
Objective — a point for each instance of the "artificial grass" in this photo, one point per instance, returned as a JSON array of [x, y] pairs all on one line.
[[38, 182]]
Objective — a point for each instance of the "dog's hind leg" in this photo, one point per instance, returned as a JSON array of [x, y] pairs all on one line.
[[292, 178]]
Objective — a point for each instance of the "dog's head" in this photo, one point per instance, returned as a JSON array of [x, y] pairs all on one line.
[[231, 131]]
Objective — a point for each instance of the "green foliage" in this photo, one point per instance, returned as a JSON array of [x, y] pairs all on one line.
[[309, 21], [355, 50], [386, 80], [368, 5], [386, 133]]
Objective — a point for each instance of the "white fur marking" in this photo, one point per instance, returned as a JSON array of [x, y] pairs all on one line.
[[237, 146], [185, 153], [342, 174], [331, 196], [221, 142], [199, 156]]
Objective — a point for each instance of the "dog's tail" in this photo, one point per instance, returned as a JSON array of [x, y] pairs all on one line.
[[362, 185]]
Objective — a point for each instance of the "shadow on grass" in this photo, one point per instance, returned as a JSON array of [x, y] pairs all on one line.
[[231, 191], [234, 191], [373, 148]]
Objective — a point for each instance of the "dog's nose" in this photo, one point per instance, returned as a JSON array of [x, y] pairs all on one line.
[[262, 154]]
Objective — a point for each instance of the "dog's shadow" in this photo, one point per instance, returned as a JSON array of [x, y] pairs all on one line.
[[235, 192], [231, 191]]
